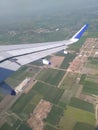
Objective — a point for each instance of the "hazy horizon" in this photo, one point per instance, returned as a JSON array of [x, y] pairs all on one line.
[[14, 8]]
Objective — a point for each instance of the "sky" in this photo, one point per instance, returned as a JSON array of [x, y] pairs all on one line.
[[26, 7]]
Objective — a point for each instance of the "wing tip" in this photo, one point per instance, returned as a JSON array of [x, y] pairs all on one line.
[[80, 32]]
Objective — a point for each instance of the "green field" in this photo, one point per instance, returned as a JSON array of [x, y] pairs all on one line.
[[75, 102], [92, 64], [54, 116], [68, 58], [7, 127], [48, 127], [70, 86], [90, 87], [73, 115], [69, 80], [25, 104], [92, 78], [11, 120], [88, 77], [52, 94], [83, 126], [17, 123], [21, 127], [90, 83], [62, 104], [93, 60], [51, 76], [82, 79]]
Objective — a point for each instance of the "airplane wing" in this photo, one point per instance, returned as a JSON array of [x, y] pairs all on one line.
[[12, 57]]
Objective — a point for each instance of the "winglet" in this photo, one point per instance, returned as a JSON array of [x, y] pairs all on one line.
[[80, 32]]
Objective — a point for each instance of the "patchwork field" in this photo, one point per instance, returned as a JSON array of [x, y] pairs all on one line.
[[92, 78], [25, 104], [73, 115], [70, 86], [90, 67], [69, 80], [90, 84], [77, 103], [22, 126], [51, 76], [49, 93], [55, 115], [90, 87]]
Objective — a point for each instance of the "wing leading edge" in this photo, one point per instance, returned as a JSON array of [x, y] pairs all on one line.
[[12, 57]]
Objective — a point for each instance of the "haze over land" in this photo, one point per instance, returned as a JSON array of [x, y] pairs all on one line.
[[16, 8], [37, 20]]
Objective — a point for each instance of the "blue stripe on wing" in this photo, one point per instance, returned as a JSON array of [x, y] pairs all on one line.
[[79, 34]]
